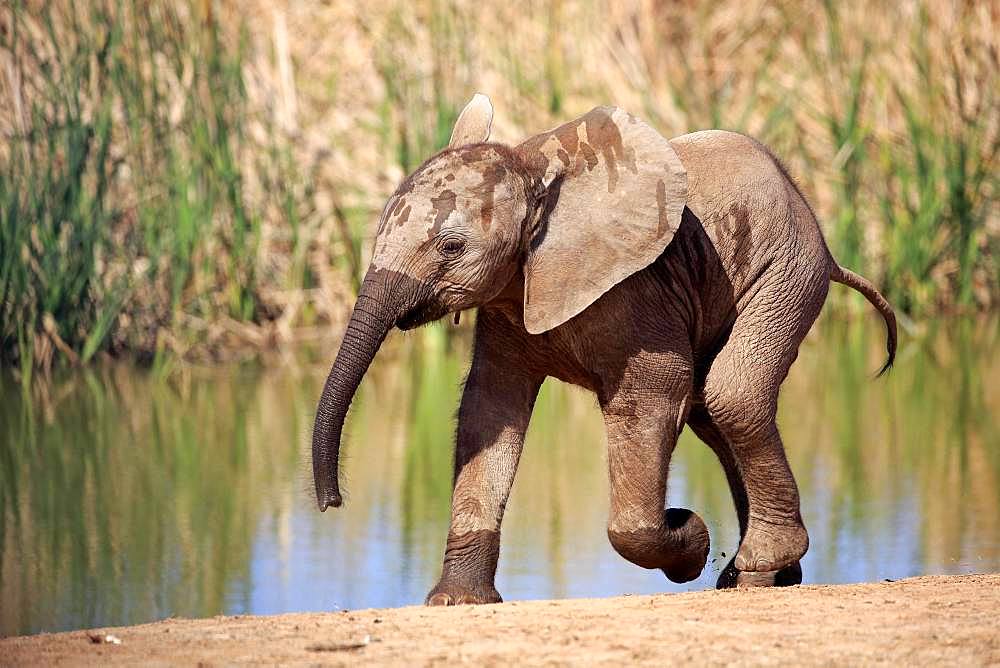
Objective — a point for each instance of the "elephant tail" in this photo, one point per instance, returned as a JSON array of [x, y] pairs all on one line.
[[875, 298]]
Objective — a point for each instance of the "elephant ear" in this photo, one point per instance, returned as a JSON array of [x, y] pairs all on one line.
[[473, 124], [615, 191]]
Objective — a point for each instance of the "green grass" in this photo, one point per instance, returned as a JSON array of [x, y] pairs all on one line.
[[150, 198], [941, 184], [128, 202], [925, 193], [54, 212]]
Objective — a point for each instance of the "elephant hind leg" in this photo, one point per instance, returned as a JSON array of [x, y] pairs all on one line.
[[740, 399], [773, 535], [730, 577]]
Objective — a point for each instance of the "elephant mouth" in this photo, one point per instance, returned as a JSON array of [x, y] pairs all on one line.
[[421, 315]]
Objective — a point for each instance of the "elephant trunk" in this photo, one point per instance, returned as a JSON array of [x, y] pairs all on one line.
[[375, 313]]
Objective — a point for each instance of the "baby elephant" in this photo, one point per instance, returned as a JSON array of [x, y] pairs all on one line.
[[674, 278]]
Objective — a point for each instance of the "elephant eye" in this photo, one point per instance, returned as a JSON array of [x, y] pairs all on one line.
[[451, 246]]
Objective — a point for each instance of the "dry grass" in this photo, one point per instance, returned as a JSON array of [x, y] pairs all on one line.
[[250, 145]]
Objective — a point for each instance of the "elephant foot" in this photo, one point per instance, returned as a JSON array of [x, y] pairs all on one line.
[[771, 547], [688, 565], [733, 578], [470, 566], [679, 547], [447, 593]]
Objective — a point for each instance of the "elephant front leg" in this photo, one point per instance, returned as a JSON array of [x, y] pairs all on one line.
[[641, 438], [496, 407]]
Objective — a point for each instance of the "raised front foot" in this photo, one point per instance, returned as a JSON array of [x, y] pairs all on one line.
[[452, 593], [768, 547], [733, 578], [678, 547], [681, 521]]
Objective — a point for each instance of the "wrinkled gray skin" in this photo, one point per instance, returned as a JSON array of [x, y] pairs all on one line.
[[674, 279]]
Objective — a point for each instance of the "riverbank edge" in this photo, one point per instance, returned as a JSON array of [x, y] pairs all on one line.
[[925, 619]]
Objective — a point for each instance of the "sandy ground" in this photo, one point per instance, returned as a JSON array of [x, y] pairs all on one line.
[[926, 620]]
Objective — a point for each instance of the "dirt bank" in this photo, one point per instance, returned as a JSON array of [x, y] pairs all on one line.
[[934, 619]]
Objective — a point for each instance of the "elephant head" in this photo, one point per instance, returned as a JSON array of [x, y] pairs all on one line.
[[576, 209]]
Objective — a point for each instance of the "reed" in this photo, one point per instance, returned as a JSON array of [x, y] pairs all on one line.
[[183, 179], [54, 211], [135, 186]]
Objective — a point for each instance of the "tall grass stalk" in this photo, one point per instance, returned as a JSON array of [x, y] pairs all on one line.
[[54, 209], [132, 193], [188, 177]]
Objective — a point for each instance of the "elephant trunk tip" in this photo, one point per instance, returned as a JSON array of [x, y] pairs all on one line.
[[329, 498]]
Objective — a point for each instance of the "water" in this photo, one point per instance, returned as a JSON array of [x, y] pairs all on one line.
[[125, 497]]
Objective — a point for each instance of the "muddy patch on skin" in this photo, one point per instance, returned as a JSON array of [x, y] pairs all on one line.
[[476, 153], [737, 225], [663, 221], [403, 215], [395, 206], [568, 137], [443, 206], [589, 156], [493, 176], [471, 177], [582, 144], [604, 135]]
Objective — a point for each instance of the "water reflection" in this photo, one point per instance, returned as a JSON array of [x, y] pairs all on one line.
[[125, 498]]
